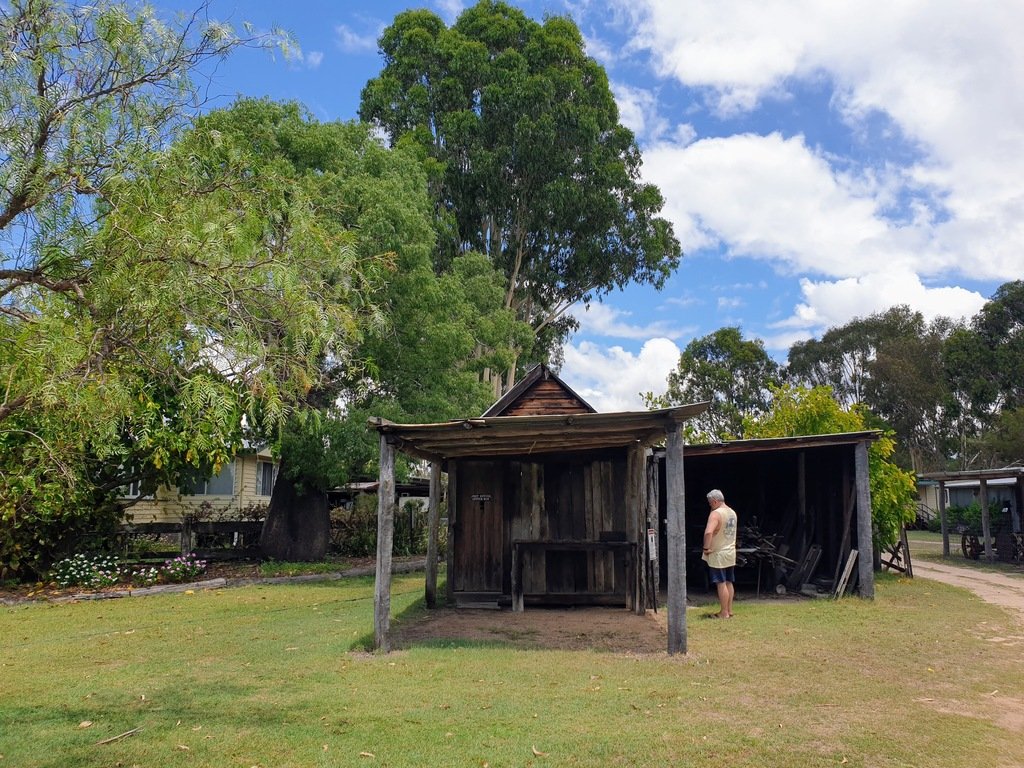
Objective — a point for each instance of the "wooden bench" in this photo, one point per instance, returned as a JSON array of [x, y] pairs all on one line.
[[522, 546]]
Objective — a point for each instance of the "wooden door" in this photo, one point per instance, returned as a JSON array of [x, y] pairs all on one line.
[[481, 540]]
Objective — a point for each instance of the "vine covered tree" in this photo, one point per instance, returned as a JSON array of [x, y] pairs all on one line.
[[529, 164], [799, 411]]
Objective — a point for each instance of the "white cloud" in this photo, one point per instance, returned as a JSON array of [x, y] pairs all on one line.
[[450, 9], [605, 320], [776, 199], [313, 59], [828, 304], [611, 378], [350, 41], [638, 111], [949, 76]]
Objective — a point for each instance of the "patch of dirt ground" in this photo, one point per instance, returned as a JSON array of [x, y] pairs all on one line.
[[615, 630], [996, 588]]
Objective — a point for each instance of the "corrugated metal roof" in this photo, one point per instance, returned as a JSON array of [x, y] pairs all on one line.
[[973, 474], [534, 435], [781, 443]]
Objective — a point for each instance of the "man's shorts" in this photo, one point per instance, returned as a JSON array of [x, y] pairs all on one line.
[[720, 575]]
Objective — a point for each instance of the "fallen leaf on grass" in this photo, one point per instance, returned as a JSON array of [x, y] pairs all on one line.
[[538, 753], [85, 724], [367, 754], [183, 748]]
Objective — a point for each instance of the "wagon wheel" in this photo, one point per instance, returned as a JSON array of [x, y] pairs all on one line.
[[970, 546]]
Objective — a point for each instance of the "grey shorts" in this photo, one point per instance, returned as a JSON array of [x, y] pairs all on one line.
[[720, 575]]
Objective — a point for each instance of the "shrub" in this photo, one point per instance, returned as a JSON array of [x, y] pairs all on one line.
[[184, 568], [144, 577], [87, 571]]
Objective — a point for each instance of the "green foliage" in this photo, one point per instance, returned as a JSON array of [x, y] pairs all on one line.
[[968, 519], [799, 411], [734, 374], [181, 569], [527, 161], [87, 571], [166, 293]]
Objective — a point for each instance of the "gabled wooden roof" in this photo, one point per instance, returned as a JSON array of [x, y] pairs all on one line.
[[511, 436], [540, 391]]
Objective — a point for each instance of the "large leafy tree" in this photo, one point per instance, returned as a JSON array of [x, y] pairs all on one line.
[[152, 301], [418, 360], [734, 373], [984, 366], [908, 389], [799, 411], [529, 163]]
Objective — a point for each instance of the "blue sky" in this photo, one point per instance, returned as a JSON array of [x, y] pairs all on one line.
[[819, 161]]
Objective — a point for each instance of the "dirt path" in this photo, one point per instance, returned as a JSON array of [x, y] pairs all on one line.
[[996, 588]]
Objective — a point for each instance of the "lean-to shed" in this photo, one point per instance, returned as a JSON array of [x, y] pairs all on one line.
[[798, 493]]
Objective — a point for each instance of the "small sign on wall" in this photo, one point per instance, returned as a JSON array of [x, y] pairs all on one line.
[[652, 544], [481, 497]]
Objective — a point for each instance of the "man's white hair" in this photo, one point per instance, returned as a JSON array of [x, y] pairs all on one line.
[[716, 495]]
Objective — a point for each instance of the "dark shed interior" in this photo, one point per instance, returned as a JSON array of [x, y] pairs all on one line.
[[791, 494]]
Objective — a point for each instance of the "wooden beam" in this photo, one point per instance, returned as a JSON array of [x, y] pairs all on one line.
[[453, 480], [385, 539], [637, 511], [865, 562], [801, 498], [986, 528], [651, 553], [676, 562], [433, 519]]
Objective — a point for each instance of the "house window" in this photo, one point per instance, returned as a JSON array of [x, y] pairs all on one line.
[[221, 484], [133, 491], [266, 474]]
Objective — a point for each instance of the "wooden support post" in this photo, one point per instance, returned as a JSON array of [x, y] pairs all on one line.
[[675, 504], [986, 528], [433, 518], [385, 538], [942, 519], [651, 566], [801, 499], [865, 569], [637, 510], [453, 479]]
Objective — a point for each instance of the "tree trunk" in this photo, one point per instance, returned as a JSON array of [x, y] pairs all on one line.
[[298, 525]]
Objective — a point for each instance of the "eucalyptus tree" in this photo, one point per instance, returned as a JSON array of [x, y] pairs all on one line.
[[735, 374], [529, 163], [984, 367]]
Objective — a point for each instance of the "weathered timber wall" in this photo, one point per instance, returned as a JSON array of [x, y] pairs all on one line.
[[544, 397]]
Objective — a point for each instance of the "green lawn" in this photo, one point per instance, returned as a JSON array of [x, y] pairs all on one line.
[[267, 676]]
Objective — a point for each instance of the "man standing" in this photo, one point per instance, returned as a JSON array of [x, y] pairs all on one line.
[[720, 551]]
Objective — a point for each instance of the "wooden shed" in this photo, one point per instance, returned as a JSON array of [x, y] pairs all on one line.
[[805, 498], [552, 503], [543, 507]]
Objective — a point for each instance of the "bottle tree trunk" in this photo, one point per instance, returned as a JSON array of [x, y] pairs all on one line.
[[298, 524]]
